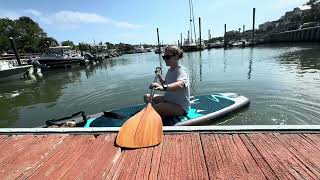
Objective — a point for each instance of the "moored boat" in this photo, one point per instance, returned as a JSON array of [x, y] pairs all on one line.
[[59, 56], [9, 71]]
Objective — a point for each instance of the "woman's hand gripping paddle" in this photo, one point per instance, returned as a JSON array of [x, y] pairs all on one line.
[[143, 129]]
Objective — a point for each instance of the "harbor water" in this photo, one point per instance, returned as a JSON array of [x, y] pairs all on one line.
[[282, 83]]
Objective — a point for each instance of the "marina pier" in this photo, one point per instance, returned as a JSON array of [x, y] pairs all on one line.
[[311, 34], [237, 152]]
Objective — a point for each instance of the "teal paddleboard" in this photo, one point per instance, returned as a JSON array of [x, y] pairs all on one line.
[[204, 109]]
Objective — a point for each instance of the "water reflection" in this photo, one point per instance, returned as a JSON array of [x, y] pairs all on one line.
[[305, 59], [46, 89], [200, 65], [224, 60], [250, 62]]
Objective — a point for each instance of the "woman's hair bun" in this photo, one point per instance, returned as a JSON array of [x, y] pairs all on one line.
[[175, 50]]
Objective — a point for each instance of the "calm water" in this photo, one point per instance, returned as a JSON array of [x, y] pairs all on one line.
[[282, 82]]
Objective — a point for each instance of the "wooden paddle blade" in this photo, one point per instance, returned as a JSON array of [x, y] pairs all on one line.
[[142, 130]]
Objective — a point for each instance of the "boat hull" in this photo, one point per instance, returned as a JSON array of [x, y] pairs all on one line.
[[14, 72]]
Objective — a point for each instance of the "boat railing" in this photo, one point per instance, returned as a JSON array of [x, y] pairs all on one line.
[[24, 57]]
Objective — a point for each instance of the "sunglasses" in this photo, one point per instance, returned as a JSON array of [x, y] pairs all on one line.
[[167, 57]]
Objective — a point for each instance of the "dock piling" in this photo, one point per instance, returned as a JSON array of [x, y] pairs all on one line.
[[243, 28], [80, 47], [200, 31], [16, 53], [253, 23], [158, 41], [225, 32]]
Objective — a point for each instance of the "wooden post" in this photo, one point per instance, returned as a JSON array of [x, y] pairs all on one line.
[[253, 23], [200, 31], [225, 32], [90, 49], [243, 28], [16, 53], [158, 41], [80, 47]]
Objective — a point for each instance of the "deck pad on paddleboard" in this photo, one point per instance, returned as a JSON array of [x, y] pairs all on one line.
[[203, 109]]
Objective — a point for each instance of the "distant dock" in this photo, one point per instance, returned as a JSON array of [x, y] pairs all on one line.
[[224, 152], [311, 34]]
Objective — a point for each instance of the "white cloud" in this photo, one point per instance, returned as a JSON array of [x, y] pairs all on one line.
[[73, 17], [68, 19], [126, 25], [33, 12]]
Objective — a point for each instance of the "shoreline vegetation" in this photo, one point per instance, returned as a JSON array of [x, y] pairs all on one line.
[[31, 38]]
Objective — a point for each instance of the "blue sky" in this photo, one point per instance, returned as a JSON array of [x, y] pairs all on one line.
[[135, 21]]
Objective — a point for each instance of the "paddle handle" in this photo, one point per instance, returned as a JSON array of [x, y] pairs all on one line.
[[155, 80]]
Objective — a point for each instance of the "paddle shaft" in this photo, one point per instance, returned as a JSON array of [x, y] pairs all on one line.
[[153, 89]]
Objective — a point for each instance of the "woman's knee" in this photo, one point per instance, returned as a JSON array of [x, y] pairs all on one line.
[[168, 109], [146, 98], [156, 98]]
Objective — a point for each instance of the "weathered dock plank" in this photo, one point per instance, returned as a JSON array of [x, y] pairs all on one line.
[[57, 166], [30, 158], [187, 155], [182, 158], [96, 160]]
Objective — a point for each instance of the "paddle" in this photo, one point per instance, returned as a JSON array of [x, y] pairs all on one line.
[[144, 129]]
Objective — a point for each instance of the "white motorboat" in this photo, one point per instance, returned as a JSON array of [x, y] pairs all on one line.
[[59, 56], [11, 71]]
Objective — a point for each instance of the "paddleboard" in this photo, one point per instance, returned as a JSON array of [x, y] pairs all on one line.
[[204, 109]]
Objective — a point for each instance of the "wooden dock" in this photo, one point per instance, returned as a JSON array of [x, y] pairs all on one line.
[[182, 155]]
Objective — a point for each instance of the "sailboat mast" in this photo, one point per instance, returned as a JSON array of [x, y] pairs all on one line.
[[190, 40], [194, 27]]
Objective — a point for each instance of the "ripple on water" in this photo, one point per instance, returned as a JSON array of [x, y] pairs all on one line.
[[290, 110]]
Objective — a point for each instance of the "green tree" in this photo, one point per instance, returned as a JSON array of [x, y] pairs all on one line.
[[314, 14], [26, 32], [29, 33], [7, 30], [312, 3], [47, 42], [110, 45], [68, 43]]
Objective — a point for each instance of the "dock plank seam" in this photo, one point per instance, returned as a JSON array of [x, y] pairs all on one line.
[[52, 152], [254, 149], [284, 157], [155, 160], [62, 154], [241, 154], [140, 152], [60, 145], [301, 158], [204, 156], [300, 167], [115, 167], [249, 141], [42, 155]]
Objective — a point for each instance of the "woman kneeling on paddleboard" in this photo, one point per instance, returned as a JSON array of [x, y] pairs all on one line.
[[176, 99]]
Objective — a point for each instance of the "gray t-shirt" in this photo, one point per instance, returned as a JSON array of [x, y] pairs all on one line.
[[181, 96]]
